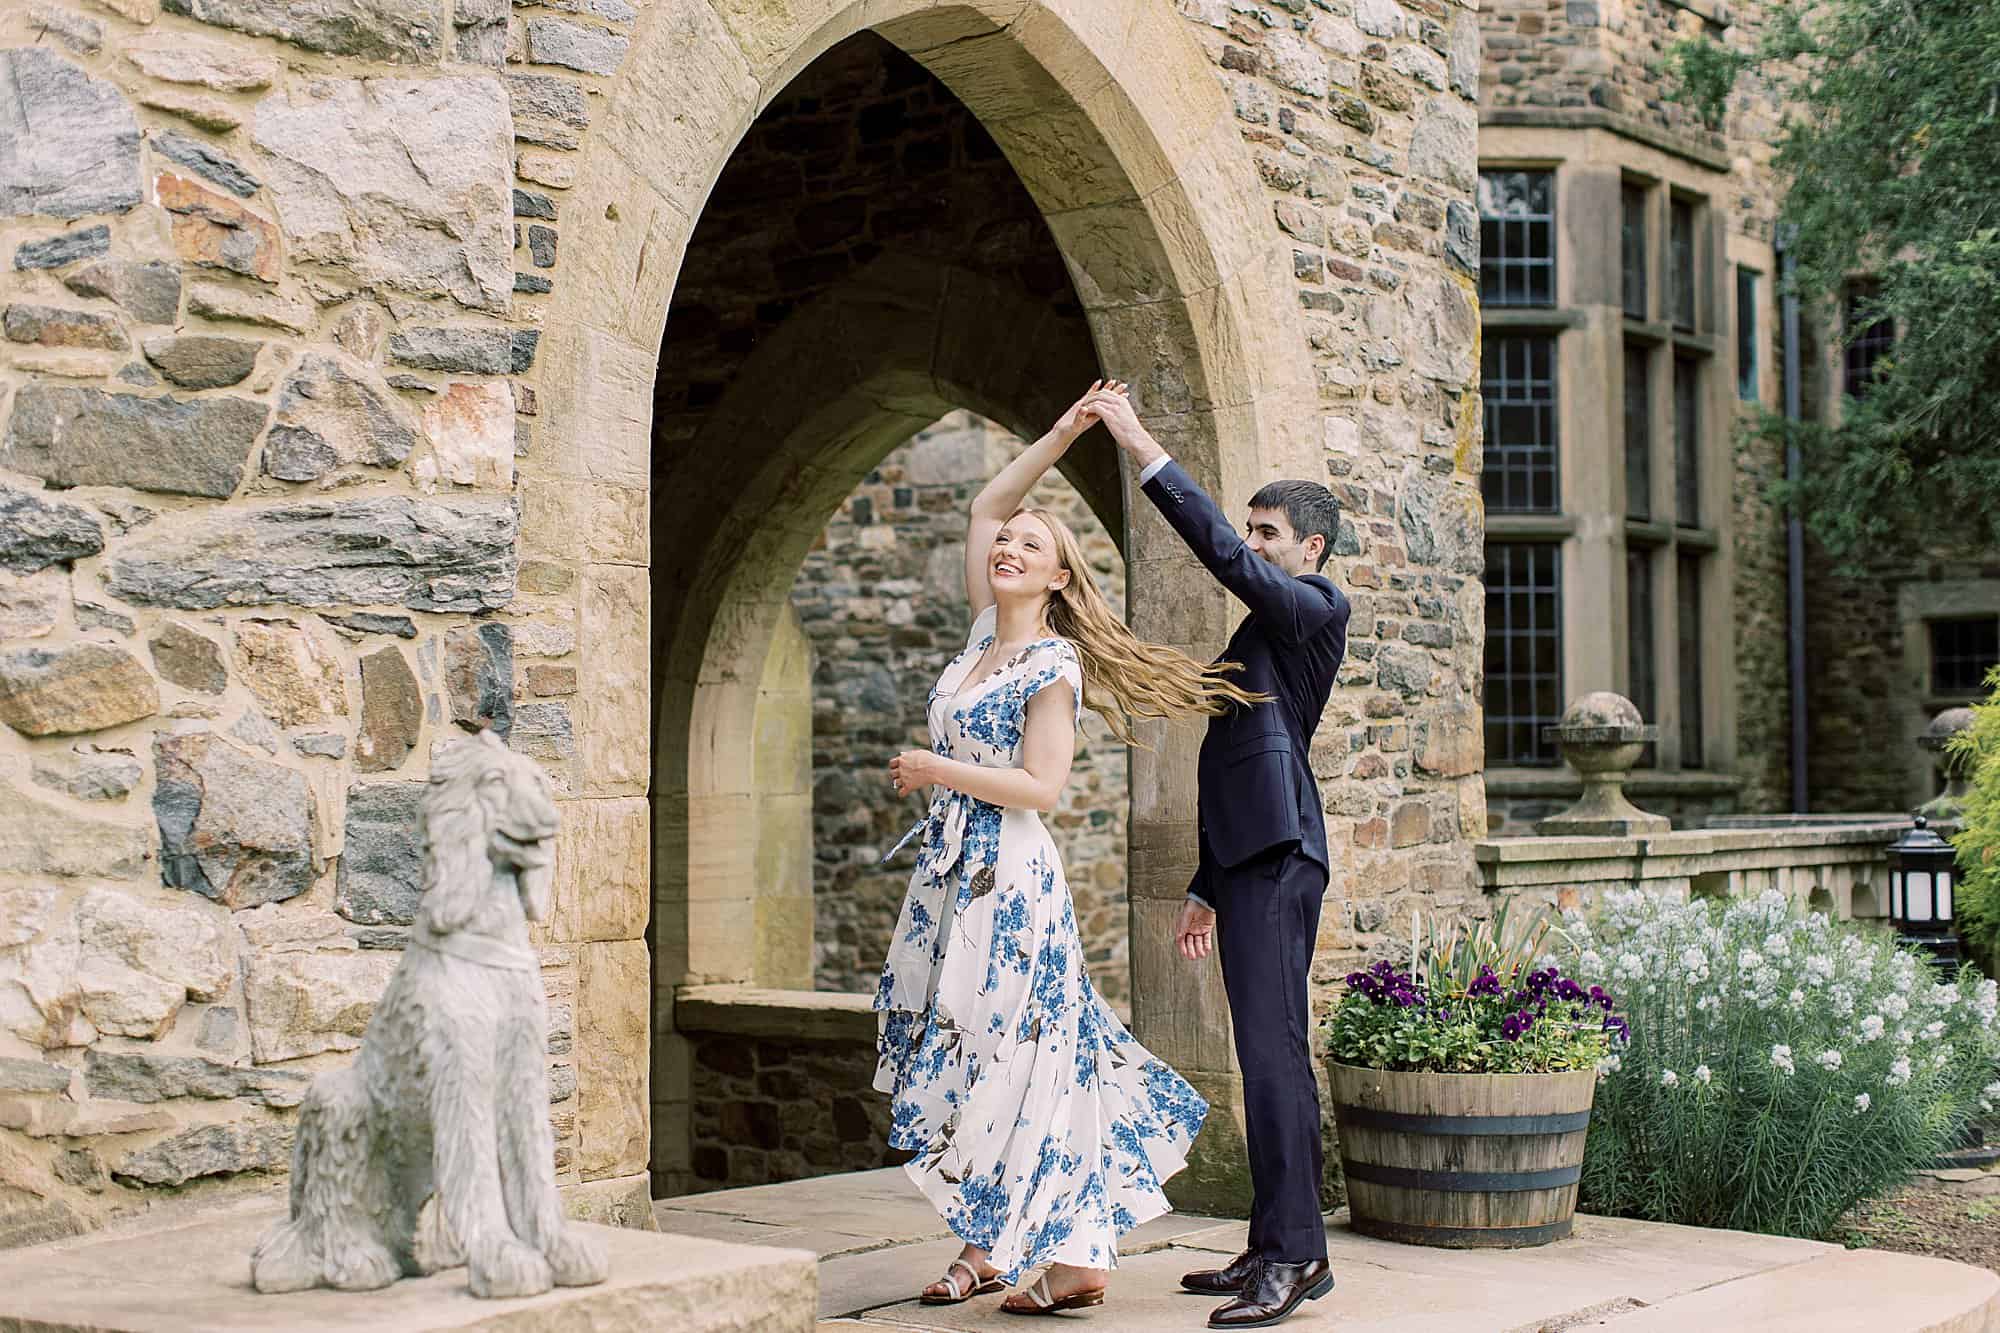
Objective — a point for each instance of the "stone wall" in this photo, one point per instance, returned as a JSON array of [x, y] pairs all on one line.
[[330, 339], [268, 298], [882, 600], [1363, 125], [784, 1109]]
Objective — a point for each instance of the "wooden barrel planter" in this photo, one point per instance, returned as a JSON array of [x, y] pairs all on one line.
[[1464, 1161]]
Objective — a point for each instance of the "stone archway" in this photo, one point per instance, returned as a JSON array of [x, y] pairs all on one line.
[[863, 368], [1114, 121]]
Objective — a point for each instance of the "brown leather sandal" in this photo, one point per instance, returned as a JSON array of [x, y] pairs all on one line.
[[1041, 1302], [979, 1286]]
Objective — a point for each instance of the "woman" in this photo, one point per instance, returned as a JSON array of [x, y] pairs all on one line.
[[1042, 1130]]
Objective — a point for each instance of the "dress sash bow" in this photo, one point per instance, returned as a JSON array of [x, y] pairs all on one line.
[[945, 823]]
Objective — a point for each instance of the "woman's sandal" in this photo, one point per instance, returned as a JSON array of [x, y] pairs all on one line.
[[1041, 1302], [979, 1287]]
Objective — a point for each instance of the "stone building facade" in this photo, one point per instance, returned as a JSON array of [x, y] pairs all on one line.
[[379, 372], [881, 600], [1631, 324]]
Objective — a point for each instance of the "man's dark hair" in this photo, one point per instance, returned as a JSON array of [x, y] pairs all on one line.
[[1308, 506]]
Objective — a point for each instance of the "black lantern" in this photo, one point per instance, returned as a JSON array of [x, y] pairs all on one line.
[[1921, 870]]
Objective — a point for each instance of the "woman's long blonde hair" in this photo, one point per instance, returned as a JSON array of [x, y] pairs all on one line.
[[1124, 676]]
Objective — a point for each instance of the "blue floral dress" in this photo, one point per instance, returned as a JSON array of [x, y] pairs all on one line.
[[1042, 1130]]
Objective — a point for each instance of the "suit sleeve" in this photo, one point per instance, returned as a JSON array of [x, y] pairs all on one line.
[[1289, 609]]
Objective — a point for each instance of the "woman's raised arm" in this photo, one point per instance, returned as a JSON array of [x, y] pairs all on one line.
[[1001, 497]]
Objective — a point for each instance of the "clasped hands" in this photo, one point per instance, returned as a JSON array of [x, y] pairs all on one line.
[[1109, 401]]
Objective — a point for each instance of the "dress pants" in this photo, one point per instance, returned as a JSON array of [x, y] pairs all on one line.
[[1267, 921]]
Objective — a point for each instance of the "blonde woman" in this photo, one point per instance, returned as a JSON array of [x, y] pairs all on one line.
[[1042, 1130]]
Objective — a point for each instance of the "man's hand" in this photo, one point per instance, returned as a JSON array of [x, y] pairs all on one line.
[[1078, 419], [913, 770], [1194, 933], [1112, 404]]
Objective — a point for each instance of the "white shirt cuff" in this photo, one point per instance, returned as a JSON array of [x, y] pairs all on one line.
[[1152, 469]]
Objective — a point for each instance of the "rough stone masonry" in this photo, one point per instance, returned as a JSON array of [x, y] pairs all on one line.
[[276, 518]]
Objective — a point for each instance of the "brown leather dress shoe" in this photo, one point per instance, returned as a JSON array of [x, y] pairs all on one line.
[[1273, 1292], [1224, 1281]]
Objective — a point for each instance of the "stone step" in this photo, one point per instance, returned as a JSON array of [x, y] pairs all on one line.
[[195, 1275]]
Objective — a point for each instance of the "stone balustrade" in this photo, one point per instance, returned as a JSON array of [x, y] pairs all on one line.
[[1834, 864]]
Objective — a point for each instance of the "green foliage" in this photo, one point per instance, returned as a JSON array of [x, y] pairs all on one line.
[[1702, 73], [1781, 1068], [1976, 901], [1889, 154], [1452, 951], [1473, 1003]]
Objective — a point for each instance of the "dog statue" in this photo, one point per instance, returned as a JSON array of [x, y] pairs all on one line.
[[447, 1103]]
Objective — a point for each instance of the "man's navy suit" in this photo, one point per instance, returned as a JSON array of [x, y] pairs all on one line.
[[1264, 862]]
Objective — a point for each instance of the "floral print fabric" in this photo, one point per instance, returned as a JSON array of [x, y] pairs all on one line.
[[1042, 1130]]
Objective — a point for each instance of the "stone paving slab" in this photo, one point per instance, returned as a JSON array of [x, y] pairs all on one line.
[[1612, 1274], [194, 1274], [1849, 1291], [862, 1210]]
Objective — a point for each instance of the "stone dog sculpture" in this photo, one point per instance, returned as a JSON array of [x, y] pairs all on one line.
[[447, 1103]]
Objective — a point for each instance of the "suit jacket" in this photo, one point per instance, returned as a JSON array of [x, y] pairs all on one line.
[[1256, 785]]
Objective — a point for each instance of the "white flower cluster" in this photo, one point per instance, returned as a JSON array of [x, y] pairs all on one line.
[[1701, 981]]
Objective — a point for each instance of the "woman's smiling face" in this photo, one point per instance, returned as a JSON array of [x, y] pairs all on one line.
[[1023, 561]]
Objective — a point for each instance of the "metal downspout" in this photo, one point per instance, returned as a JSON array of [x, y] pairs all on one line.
[[1795, 539]]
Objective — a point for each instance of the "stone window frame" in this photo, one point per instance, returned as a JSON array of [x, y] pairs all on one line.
[[1918, 605], [1593, 167], [1861, 350], [1679, 474]]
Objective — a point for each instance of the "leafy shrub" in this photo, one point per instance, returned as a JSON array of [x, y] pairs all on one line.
[[1473, 1005], [1781, 1068], [1976, 902]]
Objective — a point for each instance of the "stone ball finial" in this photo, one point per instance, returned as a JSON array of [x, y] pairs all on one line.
[[1948, 806], [1601, 736], [1602, 708], [1943, 727]]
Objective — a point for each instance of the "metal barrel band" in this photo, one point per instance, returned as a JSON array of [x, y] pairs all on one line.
[[1462, 1182], [1464, 1238], [1367, 1117]]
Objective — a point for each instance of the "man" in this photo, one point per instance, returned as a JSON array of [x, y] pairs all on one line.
[[1264, 865]]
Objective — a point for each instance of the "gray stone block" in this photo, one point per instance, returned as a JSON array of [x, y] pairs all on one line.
[[475, 351], [576, 46], [150, 292], [68, 248], [86, 437], [142, 1076], [442, 555], [233, 827], [76, 141], [209, 1150], [36, 533], [205, 160], [202, 361], [403, 32], [382, 866]]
